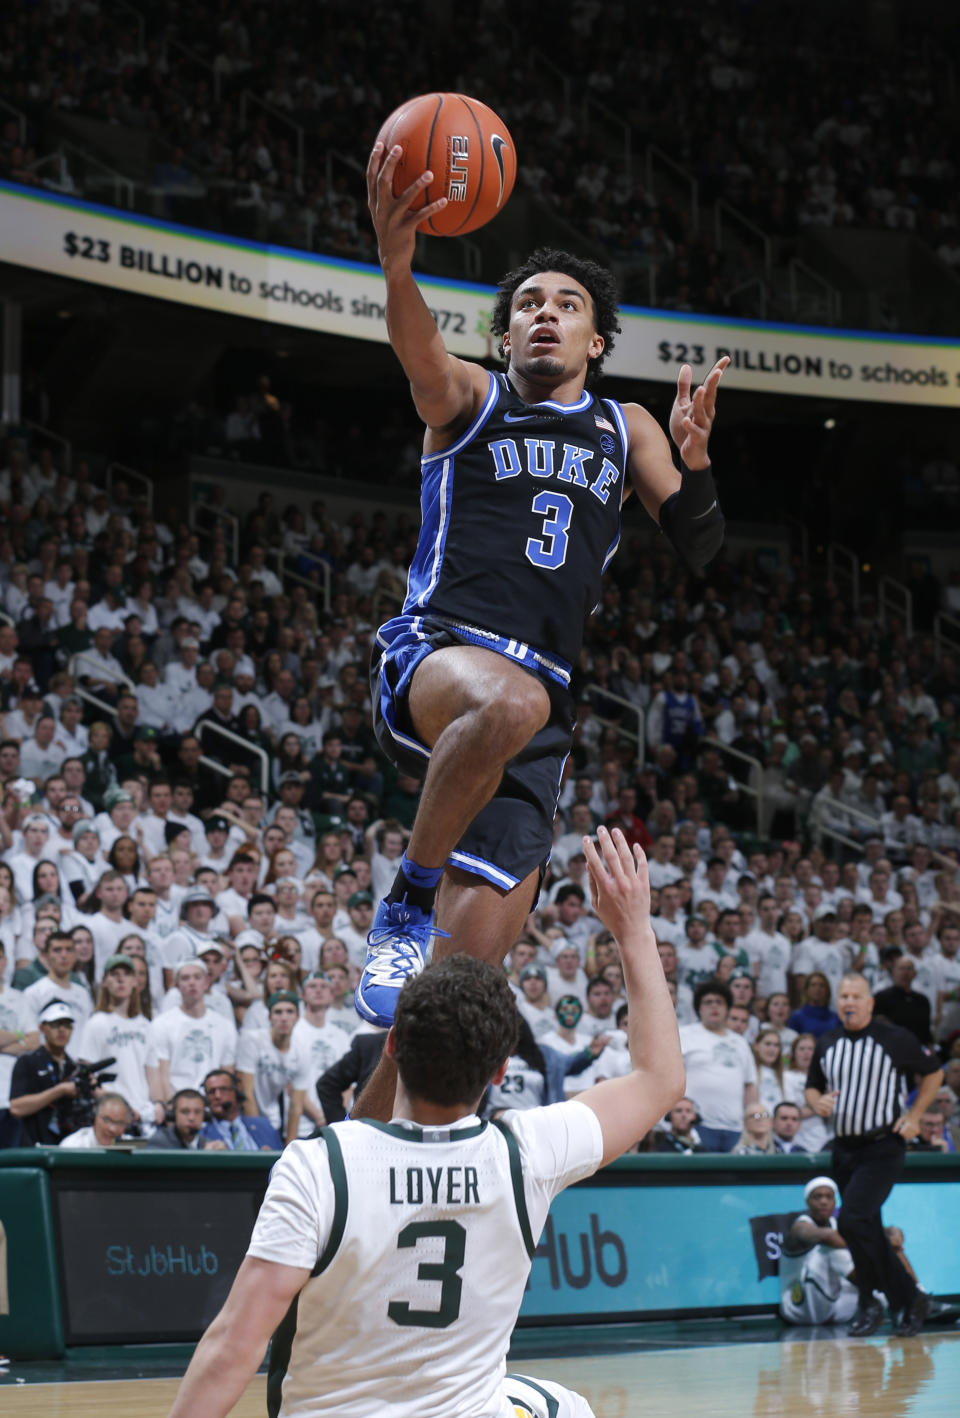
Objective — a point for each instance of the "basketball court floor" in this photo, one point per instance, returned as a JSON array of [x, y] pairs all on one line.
[[718, 1369]]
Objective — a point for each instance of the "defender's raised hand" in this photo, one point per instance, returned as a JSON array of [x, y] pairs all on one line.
[[393, 221], [620, 884], [691, 417]]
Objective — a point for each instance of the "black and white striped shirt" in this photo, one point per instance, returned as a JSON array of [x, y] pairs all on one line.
[[872, 1071]]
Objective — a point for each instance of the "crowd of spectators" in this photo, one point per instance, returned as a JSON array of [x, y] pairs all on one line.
[[792, 122], [196, 822]]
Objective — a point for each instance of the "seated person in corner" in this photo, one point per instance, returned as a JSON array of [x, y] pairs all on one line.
[[816, 1268]]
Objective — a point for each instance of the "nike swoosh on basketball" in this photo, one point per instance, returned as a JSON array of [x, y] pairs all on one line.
[[498, 144]]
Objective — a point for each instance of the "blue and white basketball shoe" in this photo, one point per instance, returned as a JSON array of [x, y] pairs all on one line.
[[397, 945]]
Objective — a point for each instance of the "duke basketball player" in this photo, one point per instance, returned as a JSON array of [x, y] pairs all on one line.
[[524, 475]]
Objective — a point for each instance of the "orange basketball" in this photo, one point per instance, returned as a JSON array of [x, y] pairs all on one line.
[[468, 149]]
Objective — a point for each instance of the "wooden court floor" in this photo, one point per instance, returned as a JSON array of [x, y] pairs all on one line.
[[809, 1377]]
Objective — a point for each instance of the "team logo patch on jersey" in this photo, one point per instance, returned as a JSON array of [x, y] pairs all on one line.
[[608, 443], [522, 1411]]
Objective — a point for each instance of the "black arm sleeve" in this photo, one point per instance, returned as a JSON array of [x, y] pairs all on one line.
[[816, 1078], [691, 518]]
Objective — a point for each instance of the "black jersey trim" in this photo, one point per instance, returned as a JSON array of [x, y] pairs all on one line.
[[338, 1175], [279, 1361], [281, 1344], [580, 406], [516, 1177], [553, 1404]]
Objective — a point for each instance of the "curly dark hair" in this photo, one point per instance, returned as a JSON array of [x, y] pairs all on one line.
[[713, 986], [591, 275], [455, 1024]]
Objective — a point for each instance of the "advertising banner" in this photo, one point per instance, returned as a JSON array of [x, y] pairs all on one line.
[[636, 1251], [83, 241]]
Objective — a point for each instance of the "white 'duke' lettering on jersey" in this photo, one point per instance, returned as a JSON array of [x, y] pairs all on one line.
[[539, 460]]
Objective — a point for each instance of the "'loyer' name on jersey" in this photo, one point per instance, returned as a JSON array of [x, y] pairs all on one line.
[[543, 458], [448, 1185]]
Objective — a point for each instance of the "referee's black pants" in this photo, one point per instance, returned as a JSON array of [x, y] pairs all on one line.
[[866, 1173]]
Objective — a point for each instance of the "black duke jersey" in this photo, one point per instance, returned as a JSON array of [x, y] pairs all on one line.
[[520, 517]]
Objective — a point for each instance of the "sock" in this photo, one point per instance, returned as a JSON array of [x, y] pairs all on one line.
[[418, 884]]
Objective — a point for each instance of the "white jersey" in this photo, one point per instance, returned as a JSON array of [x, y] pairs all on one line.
[[183, 944], [831, 957], [192, 1046], [769, 1088], [718, 1065], [814, 1288], [15, 1014], [419, 1243], [42, 991], [522, 1087], [274, 1071], [345, 1018], [771, 952], [541, 1021], [127, 1040], [214, 998], [558, 986], [322, 1045], [107, 936], [814, 1133], [696, 963]]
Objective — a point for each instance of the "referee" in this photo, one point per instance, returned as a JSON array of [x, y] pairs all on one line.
[[861, 1074]]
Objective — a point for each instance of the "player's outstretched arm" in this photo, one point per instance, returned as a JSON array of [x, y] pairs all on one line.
[[628, 1107], [445, 390], [685, 503], [232, 1350]]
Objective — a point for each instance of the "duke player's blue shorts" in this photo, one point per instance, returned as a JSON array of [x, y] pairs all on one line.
[[513, 835]]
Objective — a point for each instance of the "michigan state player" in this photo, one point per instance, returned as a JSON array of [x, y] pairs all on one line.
[[524, 474], [815, 1265], [394, 1256]]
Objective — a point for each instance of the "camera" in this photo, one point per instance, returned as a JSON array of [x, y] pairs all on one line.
[[78, 1112]]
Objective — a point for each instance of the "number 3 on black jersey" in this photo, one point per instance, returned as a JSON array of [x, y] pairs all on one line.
[[446, 1271], [550, 550]]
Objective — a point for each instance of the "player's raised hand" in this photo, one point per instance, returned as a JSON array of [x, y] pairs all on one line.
[[692, 415], [620, 884], [393, 220]]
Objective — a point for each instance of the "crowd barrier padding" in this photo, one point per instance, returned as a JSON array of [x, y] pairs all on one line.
[[142, 1247]]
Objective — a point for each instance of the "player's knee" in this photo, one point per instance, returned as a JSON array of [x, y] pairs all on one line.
[[515, 715]]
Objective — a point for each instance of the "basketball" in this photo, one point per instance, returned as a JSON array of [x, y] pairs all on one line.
[[468, 149]]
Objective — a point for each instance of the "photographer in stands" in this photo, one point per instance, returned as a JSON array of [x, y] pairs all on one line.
[[42, 1080]]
